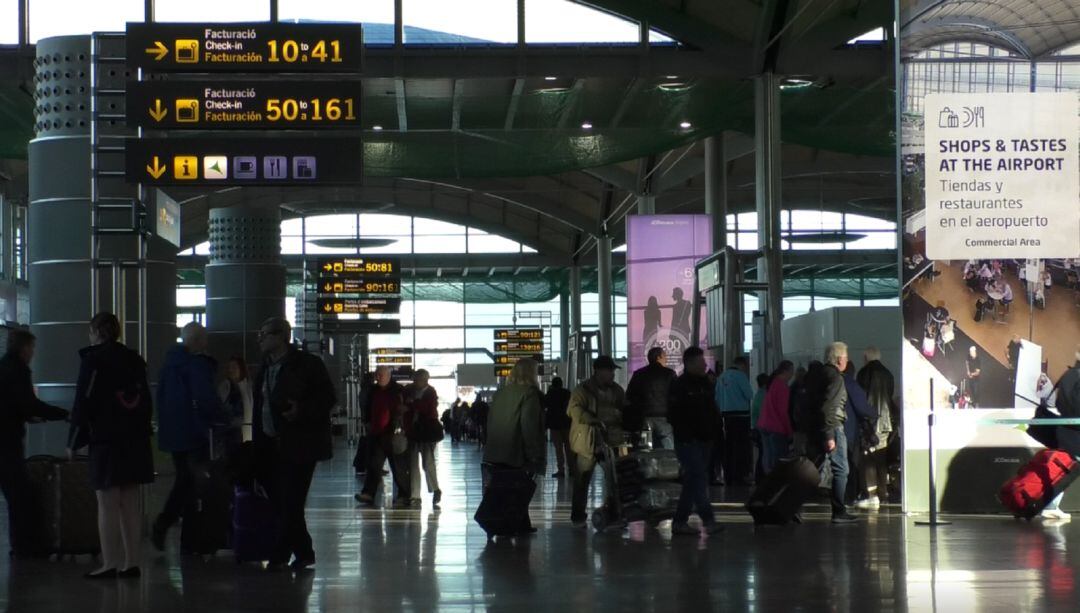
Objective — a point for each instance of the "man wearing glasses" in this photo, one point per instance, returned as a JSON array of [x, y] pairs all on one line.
[[293, 399]]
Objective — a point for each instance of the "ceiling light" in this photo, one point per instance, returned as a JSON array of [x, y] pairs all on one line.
[[377, 128], [586, 126], [685, 125], [673, 85], [671, 76], [550, 78]]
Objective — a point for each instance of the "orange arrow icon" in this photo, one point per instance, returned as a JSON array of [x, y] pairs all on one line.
[[328, 287], [327, 308], [156, 170], [158, 113], [328, 266], [159, 50]]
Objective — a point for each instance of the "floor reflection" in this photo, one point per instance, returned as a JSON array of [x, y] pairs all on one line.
[[439, 560]]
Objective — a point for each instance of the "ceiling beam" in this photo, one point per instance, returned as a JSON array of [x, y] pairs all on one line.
[[572, 98], [628, 98], [459, 93], [515, 100], [399, 96], [615, 175]]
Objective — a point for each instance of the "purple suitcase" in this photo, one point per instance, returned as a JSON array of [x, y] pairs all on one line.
[[254, 533]]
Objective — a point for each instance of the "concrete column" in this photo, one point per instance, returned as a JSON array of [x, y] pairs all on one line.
[[575, 300], [245, 280], [604, 283], [716, 189], [767, 157], [564, 323], [646, 204], [59, 233]]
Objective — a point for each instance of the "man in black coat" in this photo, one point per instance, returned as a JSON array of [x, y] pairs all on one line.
[[647, 394], [692, 411], [293, 399], [556, 402], [1067, 403], [826, 427], [19, 405]]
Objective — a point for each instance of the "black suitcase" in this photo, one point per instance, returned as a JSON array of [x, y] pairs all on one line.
[[66, 503], [207, 520], [782, 493], [504, 508]]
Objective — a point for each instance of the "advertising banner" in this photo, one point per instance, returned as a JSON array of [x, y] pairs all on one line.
[[660, 257]]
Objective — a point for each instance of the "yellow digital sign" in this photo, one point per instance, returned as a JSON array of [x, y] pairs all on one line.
[[521, 334], [334, 267]]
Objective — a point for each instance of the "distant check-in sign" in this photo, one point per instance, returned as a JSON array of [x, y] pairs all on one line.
[[245, 47], [369, 267], [359, 286]]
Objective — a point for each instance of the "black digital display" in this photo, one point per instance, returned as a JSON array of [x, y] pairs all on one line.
[[357, 306], [357, 267]]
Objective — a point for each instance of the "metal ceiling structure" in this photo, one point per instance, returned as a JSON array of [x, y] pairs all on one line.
[[1030, 29]]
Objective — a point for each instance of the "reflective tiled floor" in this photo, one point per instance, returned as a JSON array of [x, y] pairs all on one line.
[[427, 560]]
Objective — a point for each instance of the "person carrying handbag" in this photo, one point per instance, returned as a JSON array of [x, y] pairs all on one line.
[[595, 418], [386, 410], [424, 433]]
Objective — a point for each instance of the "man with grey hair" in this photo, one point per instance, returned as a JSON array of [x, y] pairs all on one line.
[[188, 406], [829, 388]]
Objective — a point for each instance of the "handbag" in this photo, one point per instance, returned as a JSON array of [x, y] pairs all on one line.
[[398, 443], [426, 430], [1046, 435]]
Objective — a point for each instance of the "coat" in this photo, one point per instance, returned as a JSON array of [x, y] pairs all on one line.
[[588, 410], [733, 392], [878, 383], [775, 409], [305, 384], [1067, 403], [112, 414], [556, 403], [692, 409], [19, 404], [187, 402], [515, 429], [647, 392], [856, 411]]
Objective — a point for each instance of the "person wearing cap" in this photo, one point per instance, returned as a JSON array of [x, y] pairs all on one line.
[[595, 419]]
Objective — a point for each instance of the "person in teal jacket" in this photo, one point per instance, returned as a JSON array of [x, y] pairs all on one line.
[[733, 397]]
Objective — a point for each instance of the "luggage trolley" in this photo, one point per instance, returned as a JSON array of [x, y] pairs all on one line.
[[645, 483]]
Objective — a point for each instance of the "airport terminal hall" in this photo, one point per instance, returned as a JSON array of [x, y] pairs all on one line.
[[539, 305]]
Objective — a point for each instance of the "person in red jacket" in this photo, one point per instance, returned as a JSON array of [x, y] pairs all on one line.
[[775, 420], [425, 432], [386, 410]]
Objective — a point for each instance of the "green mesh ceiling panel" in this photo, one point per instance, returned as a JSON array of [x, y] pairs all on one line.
[[16, 121]]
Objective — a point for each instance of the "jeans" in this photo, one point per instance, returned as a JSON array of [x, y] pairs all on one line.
[[582, 481], [773, 447], [189, 466], [24, 529], [564, 456], [422, 454], [662, 433], [838, 464], [738, 452], [294, 482], [693, 458]]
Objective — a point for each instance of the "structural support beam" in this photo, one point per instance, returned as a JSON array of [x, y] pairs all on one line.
[[768, 200], [459, 94], [572, 98], [399, 95], [604, 284], [515, 99], [716, 189], [575, 304], [564, 330]]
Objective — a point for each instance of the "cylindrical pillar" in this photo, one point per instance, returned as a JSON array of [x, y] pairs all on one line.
[[716, 189], [59, 233], [646, 204], [767, 195], [575, 301], [245, 280], [603, 288], [564, 325]]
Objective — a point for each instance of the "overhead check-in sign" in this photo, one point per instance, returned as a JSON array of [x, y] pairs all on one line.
[[359, 286], [357, 306], [1002, 175], [243, 104], [245, 47], [339, 267]]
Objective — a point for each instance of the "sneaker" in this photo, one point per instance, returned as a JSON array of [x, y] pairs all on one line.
[[402, 503], [1055, 514], [416, 503], [579, 522], [436, 498], [844, 518], [684, 529], [367, 499]]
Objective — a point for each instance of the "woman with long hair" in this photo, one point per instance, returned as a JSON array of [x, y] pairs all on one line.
[[238, 397], [112, 416], [775, 420]]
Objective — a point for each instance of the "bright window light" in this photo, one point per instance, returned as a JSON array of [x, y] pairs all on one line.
[[876, 35]]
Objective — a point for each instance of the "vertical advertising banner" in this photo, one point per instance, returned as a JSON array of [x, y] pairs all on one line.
[[661, 251]]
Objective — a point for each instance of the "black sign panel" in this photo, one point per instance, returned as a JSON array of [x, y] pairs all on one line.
[[361, 326], [521, 334], [218, 105], [372, 267], [221, 161], [520, 348], [357, 306], [393, 360], [359, 286], [392, 351], [513, 359], [245, 47]]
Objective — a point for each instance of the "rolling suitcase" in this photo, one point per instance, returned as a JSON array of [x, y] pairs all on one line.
[[66, 503], [778, 498], [504, 508], [1038, 482], [253, 525], [206, 521]]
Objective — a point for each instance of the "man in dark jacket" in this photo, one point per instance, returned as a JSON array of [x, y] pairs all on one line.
[[829, 438], [1067, 402], [692, 410], [859, 417], [647, 394], [188, 406], [386, 409], [556, 402], [19, 405], [293, 400], [879, 385]]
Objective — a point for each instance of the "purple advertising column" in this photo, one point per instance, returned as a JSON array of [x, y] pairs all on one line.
[[661, 251]]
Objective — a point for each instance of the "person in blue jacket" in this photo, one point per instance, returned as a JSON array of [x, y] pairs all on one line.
[[858, 411], [188, 406]]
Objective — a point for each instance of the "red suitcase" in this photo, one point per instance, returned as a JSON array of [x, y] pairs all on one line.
[[1038, 482]]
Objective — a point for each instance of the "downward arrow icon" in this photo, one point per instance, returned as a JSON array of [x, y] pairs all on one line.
[[158, 113], [155, 169]]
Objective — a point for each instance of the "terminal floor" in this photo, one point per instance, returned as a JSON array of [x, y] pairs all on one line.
[[439, 560]]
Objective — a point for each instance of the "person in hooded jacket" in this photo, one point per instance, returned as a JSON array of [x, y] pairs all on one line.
[[876, 380], [188, 407], [19, 405], [112, 416]]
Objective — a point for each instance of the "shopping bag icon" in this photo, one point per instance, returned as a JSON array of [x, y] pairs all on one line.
[[948, 119]]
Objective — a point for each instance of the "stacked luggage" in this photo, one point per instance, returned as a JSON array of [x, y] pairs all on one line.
[[67, 503], [647, 488]]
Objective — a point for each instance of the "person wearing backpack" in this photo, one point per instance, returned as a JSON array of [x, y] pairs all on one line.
[[595, 427], [112, 415], [188, 406]]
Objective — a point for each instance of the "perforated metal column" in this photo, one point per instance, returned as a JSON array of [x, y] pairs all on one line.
[[59, 227], [245, 280]]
